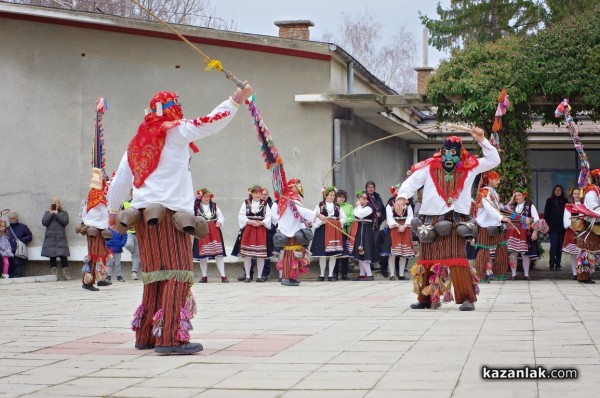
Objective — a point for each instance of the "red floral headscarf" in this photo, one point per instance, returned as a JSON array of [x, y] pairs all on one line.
[[146, 146]]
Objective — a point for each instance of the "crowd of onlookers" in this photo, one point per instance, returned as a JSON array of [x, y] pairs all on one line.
[[55, 245]]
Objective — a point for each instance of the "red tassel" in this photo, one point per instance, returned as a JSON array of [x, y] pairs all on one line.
[[194, 147], [497, 125], [502, 95]]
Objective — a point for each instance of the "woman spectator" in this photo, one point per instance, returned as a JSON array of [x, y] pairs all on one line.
[[553, 214], [377, 202], [55, 240], [16, 231]]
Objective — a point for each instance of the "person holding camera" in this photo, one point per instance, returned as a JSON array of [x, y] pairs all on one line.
[[55, 244]]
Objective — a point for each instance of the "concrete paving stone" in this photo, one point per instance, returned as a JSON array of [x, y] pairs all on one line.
[[307, 357], [340, 349], [389, 382], [354, 368], [383, 346], [371, 358], [45, 379], [567, 351], [258, 381], [17, 390], [568, 361], [200, 381], [153, 392], [325, 394], [245, 393], [560, 393], [412, 393], [339, 381]]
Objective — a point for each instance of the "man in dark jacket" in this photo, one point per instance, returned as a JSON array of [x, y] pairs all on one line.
[[21, 232]]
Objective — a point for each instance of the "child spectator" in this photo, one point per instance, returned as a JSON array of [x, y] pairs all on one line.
[[5, 249], [115, 245]]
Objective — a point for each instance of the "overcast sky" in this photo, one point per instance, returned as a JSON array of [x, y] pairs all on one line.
[[258, 16]]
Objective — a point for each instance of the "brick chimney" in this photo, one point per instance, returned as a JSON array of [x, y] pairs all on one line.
[[424, 72], [297, 30], [423, 75]]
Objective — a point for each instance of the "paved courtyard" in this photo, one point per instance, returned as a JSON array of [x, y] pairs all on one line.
[[330, 339]]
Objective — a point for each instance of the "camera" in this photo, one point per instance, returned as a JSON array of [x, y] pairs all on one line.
[[53, 207]]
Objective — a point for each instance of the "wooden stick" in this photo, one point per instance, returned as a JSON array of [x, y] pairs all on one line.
[[459, 127], [327, 221], [208, 60], [339, 161]]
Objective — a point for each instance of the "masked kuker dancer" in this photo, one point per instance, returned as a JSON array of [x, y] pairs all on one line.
[[446, 178], [156, 164], [588, 241]]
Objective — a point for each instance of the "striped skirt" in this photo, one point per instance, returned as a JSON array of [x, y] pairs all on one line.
[[163, 318], [443, 264], [211, 245], [254, 242], [517, 242], [402, 243], [97, 254], [569, 245], [327, 241], [484, 245]]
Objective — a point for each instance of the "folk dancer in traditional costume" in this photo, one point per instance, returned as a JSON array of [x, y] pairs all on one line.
[[398, 240], [255, 221], [327, 241], [443, 224], [361, 244], [523, 233], [347, 209], [569, 245], [94, 225], [211, 246], [588, 241], [156, 163], [490, 231], [293, 221]]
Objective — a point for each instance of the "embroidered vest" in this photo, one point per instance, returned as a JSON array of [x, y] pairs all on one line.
[[208, 216], [323, 210], [260, 215]]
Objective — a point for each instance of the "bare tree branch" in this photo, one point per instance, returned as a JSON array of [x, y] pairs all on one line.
[[393, 63]]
